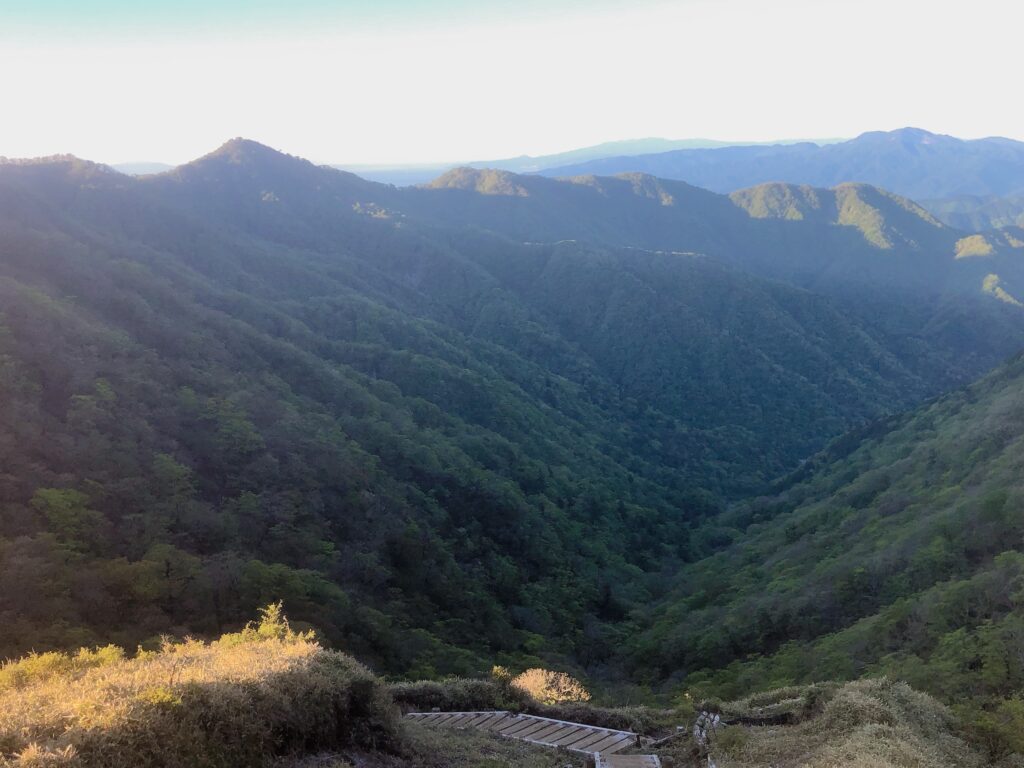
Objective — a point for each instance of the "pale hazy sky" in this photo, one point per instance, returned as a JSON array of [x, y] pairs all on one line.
[[406, 81]]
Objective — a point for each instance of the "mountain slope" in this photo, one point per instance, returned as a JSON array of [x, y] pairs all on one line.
[[977, 214], [910, 162], [897, 551], [253, 378], [824, 239]]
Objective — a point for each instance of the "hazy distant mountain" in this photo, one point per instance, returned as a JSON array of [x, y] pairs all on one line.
[[910, 162], [141, 169], [405, 175]]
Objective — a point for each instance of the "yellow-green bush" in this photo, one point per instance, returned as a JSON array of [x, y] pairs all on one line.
[[38, 667], [549, 686], [241, 701]]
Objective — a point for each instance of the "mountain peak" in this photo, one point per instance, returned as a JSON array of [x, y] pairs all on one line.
[[239, 149], [908, 137], [485, 181], [884, 219], [72, 162], [69, 167], [251, 157]]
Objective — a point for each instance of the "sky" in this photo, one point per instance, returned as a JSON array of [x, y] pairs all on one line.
[[409, 81]]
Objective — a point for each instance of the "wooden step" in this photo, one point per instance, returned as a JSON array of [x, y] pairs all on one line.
[[577, 737], [627, 761]]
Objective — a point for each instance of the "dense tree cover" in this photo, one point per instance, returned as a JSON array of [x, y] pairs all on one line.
[[979, 213], [896, 552], [254, 379], [850, 241]]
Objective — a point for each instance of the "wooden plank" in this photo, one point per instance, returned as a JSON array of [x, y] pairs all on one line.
[[547, 733], [518, 723], [459, 720], [561, 732], [583, 743], [619, 747], [612, 744], [521, 727], [499, 723], [580, 733], [523, 733], [628, 761], [444, 718], [577, 737], [478, 719], [430, 718]]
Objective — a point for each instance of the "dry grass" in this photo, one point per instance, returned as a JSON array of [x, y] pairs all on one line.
[[237, 702], [865, 724], [549, 686]]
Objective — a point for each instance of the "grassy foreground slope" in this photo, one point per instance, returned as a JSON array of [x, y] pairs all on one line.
[[240, 701], [265, 696], [866, 724], [268, 697]]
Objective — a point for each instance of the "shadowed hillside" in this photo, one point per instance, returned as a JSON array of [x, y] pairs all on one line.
[[896, 551], [253, 378]]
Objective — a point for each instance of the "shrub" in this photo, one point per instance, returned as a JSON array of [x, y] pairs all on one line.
[[39, 667], [550, 687], [238, 702], [999, 727], [458, 695], [637, 719]]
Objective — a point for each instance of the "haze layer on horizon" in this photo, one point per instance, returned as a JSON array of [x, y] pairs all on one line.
[[415, 82]]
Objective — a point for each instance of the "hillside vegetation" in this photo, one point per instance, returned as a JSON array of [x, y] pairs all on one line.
[[243, 700], [979, 213], [898, 551], [271, 696], [868, 724], [255, 379], [265, 696]]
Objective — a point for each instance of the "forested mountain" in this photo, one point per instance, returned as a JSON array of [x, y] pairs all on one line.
[[448, 426], [979, 213], [851, 238], [897, 551], [910, 162]]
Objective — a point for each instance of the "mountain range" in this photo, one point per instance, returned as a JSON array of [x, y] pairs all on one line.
[[622, 424], [910, 162], [498, 398], [407, 175]]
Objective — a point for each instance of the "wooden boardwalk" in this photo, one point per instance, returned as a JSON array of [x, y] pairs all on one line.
[[627, 761], [601, 744]]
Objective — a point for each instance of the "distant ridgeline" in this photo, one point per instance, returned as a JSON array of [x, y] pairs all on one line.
[[488, 420]]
